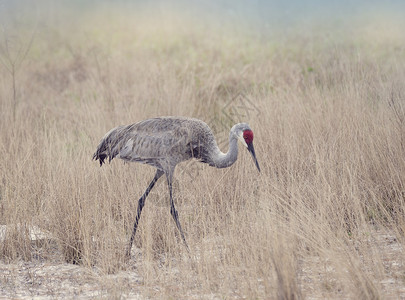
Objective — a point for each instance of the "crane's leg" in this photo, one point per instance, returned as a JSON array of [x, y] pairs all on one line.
[[141, 203], [173, 210]]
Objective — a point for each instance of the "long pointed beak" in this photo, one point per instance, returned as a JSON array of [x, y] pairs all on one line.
[[252, 152]]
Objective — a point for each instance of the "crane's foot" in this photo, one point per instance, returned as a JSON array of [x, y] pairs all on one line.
[[128, 251], [127, 255]]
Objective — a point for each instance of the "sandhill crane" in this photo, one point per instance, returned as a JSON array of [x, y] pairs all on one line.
[[163, 143]]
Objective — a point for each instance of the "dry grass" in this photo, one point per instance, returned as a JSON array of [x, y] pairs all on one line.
[[324, 219]]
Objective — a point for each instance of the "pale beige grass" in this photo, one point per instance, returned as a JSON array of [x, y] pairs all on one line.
[[329, 136]]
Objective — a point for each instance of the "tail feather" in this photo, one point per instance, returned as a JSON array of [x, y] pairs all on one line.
[[100, 157], [102, 153], [109, 146]]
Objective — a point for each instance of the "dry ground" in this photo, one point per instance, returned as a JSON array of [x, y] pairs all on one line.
[[324, 218], [43, 279]]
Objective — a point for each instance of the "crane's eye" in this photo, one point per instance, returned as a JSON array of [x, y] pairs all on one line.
[[248, 136]]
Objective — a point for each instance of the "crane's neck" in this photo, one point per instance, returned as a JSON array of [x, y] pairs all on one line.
[[224, 160]]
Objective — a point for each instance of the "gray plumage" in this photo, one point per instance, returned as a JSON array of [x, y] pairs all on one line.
[[166, 141]]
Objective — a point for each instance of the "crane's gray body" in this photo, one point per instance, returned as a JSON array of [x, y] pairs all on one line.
[[163, 143]]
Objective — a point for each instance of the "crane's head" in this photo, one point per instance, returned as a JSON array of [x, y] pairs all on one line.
[[245, 135]]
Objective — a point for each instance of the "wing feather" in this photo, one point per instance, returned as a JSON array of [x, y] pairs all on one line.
[[156, 140]]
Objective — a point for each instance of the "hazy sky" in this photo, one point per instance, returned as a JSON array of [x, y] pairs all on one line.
[[261, 14], [264, 10]]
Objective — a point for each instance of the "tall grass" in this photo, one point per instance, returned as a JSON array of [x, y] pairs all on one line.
[[329, 136]]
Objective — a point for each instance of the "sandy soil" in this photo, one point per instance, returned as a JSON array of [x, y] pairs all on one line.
[[52, 278]]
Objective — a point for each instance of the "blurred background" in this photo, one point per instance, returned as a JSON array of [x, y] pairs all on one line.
[[261, 16]]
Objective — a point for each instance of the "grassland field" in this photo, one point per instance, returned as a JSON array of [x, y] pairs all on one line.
[[324, 218]]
